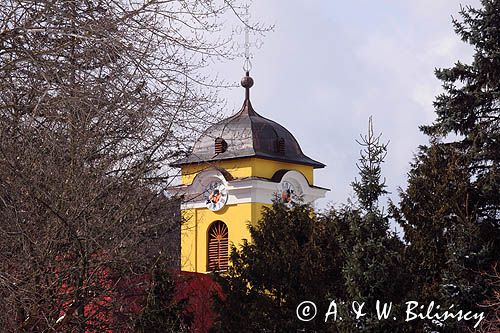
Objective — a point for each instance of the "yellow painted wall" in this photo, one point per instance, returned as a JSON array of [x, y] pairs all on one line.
[[194, 232], [246, 167]]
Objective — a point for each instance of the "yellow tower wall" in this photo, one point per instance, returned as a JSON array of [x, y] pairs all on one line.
[[194, 231], [246, 167], [194, 234]]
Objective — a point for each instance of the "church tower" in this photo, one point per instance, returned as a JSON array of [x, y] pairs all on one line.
[[236, 167]]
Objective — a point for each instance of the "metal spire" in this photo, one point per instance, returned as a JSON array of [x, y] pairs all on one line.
[[247, 64], [247, 81]]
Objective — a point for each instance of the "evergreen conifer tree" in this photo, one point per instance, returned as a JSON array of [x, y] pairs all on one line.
[[162, 313], [451, 209], [291, 258], [373, 269]]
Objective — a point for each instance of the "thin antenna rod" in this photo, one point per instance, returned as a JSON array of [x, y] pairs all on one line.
[[247, 65]]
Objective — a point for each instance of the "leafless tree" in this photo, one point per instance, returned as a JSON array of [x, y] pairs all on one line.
[[492, 305], [96, 97]]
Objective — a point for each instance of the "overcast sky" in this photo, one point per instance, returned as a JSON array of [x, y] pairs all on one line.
[[329, 65]]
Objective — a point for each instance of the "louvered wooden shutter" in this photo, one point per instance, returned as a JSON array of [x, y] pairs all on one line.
[[281, 146], [220, 146], [218, 246]]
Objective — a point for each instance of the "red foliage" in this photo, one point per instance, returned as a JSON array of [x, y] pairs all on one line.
[[198, 289]]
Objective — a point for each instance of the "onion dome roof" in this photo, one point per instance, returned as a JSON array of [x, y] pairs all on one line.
[[247, 134]]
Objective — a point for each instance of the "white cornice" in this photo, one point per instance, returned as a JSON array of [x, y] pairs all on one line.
[[244, 190]]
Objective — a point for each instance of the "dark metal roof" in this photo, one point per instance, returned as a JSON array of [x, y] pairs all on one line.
[[248, 134]]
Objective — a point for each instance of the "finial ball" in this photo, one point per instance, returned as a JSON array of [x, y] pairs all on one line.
[[247, 81]]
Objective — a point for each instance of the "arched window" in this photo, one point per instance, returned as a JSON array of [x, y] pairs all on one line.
[[218, 246]]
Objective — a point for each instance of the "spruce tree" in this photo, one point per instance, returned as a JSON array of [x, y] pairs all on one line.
[[450, 211], [292, 258], [470, 107], [373, 269], [162, 313]]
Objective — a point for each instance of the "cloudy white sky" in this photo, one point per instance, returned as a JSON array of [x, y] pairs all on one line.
[[329, 65]]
